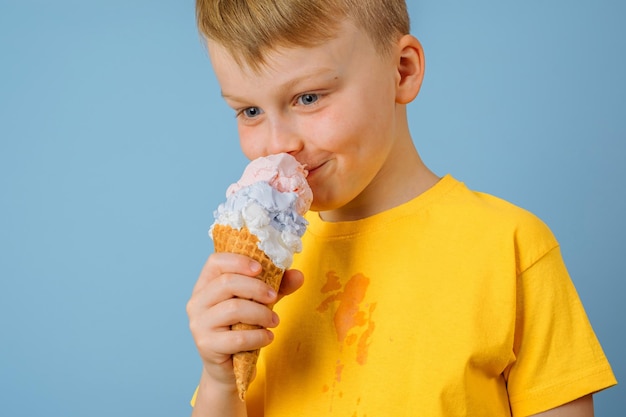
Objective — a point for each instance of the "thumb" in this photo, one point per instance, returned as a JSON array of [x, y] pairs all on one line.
[[292, 280]]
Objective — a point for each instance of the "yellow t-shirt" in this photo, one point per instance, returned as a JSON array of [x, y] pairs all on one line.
[[454, 304]]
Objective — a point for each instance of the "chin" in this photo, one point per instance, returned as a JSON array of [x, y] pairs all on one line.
[[323, 206], [319, 206]]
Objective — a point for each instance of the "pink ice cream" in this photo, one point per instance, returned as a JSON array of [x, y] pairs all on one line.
[[283, 172]]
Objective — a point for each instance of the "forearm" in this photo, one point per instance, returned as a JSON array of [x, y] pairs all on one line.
[[582, 407], [216, 400]]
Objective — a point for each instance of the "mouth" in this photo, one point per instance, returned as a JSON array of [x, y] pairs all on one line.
[[313, 168]]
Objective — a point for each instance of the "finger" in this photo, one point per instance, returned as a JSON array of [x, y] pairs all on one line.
[[229, 286], [292, 281], [212, 329], [237, 310], [217, 346], [224, 315], [235, 341], [222, 263]]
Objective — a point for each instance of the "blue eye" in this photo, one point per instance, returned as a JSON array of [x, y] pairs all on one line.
[[308, 99], [251, 112]]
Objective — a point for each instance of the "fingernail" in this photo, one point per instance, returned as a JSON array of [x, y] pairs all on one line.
[[275, 319], [255, 266], [272, 294]]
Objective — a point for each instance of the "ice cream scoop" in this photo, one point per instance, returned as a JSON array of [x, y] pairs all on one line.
[[283, 172]]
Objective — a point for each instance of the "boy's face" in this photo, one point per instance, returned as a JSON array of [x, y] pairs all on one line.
[[332, 106]]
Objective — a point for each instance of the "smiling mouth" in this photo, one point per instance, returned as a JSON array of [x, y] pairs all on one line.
[[314, 169]]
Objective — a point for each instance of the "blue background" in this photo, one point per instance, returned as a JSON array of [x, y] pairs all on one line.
[[115, 148]]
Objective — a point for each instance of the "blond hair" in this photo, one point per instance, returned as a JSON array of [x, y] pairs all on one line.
[[249, 29]]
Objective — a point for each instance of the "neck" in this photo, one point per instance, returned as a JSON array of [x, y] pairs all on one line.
[[402, 179]]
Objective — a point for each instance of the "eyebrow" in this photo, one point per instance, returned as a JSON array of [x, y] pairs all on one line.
[[319, 72]]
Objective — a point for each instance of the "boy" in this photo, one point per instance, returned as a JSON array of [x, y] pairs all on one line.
[[414, 296]]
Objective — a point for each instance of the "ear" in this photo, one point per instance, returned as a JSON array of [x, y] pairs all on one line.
[[410, 66]]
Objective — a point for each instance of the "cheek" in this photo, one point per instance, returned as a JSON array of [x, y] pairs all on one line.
[[332, 132], [251, 145]]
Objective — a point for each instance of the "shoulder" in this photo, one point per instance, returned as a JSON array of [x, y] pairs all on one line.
[[523, 222], [485, 207], [486, 216]]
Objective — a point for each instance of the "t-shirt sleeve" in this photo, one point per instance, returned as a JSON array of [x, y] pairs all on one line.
[[558, 357]]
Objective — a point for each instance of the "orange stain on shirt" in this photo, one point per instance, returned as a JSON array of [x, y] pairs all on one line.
[[364, 340], [332, 283], [348, 314], [351, 339], [338, 371], [350, 317]]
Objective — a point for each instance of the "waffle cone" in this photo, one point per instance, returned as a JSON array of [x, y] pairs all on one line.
[[229, 239]]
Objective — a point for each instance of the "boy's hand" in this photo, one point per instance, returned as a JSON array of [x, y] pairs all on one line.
[[225, 295]]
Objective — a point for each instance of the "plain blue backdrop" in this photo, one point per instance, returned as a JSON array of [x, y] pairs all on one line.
[[115, 147]]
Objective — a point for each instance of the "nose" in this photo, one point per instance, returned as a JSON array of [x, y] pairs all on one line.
[[284, 136]]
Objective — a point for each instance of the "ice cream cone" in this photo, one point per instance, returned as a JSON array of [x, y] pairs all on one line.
[[263, 218], [241, 241]]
